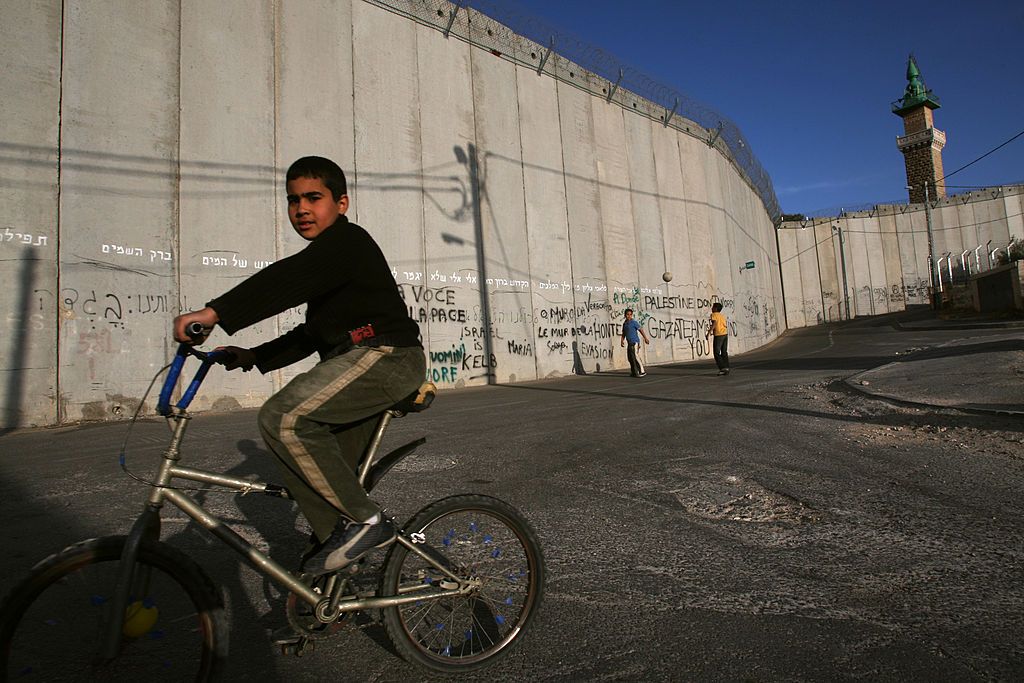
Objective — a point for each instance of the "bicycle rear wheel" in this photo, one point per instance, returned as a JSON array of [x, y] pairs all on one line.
[[53, 623], [484, 539]]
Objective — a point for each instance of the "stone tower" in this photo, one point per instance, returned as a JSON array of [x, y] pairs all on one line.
[[921, 143]]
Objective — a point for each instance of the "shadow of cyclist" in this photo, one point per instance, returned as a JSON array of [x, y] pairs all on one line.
[[255, 604]]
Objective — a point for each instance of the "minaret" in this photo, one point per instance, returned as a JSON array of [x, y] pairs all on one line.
[[921, 142]]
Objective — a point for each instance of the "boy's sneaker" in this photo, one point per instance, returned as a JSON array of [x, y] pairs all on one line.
[[723, 372], [642, 374], [348, 543]]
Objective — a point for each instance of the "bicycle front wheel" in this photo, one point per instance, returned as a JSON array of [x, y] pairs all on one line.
[[52, 624], [484, 540]]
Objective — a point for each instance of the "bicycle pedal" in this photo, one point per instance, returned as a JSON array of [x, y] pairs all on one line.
[[286, 636]]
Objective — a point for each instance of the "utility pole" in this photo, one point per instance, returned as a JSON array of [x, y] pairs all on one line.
[[932, 266], [842, 261]]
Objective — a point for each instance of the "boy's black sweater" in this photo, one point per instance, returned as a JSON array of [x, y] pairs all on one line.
[[343, 277]]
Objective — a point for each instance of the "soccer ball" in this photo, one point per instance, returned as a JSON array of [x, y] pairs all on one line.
[[666, 276]]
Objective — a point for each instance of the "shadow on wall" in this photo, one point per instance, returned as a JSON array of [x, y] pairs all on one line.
[[17, 355], [469, 158]]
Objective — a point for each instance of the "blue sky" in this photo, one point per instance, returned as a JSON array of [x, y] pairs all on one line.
[[810, 83]]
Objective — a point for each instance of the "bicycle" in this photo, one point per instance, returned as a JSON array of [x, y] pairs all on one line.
[[458, 585]]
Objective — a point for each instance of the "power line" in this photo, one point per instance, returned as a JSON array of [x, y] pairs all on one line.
[[975, 187], [981, 157]]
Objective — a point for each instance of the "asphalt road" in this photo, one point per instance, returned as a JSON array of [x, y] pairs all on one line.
[[769, 525]]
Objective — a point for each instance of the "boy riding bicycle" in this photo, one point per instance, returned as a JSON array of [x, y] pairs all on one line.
[[370, 358]]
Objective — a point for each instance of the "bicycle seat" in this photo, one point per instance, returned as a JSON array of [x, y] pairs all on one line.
[[417, 401]]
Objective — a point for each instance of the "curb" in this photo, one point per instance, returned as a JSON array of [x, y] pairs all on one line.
[[1010, 324], [965, 408]]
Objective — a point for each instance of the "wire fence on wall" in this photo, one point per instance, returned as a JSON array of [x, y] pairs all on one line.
[[888, 206], [530, 41]]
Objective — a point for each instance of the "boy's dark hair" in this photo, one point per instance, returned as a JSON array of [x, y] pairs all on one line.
[[324, 170], [716, 307], [628, 310]]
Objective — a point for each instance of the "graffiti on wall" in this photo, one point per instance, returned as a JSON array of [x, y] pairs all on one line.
[[9, 236]]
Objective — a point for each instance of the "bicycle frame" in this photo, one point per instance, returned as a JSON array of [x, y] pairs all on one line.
[[147, 527]]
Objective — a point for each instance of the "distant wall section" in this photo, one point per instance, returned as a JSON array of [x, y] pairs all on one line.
[[886, 253]]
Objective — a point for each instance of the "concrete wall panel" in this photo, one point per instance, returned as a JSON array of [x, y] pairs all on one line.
[[992, 224], [314, 99], [389, 189], [791, 273], [310, 121], [30, 43], [879, 290], [810, 279], [1013, 209], [895, 293], [117, 205], [748, 281], [228, 194], [582, 193], [829, 269], [696, 160], [946, 232], [446, 301], [511, 353], [742, 314], [858, 266], [766, 285], [546, 220], [623, 270], [648, 239], [913, 231], [959, 226], [678, 329]]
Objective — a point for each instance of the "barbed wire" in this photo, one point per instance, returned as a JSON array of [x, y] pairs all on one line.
[[837, 211]]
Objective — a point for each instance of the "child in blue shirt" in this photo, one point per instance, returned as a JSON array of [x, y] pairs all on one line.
[[631, 332]]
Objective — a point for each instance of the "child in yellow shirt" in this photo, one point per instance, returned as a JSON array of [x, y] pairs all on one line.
[[720, 330]]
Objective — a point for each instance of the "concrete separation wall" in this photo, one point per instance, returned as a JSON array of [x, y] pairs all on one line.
[[886, 253], [142, 173]]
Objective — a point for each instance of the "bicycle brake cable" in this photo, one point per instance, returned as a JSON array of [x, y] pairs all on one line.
[[123, 458]]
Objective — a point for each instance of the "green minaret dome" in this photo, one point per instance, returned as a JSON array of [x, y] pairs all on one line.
[[916, 93]]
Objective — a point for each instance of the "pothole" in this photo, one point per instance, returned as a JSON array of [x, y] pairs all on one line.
[[741, 500]]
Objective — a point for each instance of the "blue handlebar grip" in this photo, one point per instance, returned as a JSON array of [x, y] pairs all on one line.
[[193, 387], [163, 406]]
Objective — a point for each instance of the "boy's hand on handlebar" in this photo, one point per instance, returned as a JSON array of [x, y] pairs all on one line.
[[238, 358], [207, 317]]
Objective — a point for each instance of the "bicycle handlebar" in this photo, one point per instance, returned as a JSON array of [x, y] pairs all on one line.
[[196, 331]]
